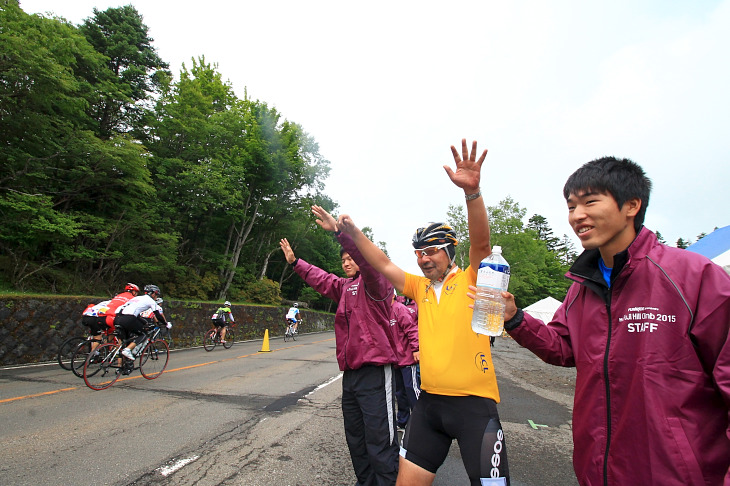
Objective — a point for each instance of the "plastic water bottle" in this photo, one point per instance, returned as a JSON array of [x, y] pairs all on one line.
[[138, 348], [492, 279]]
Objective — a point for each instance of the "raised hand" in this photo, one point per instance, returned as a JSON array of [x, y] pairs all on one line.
[[346, 225], [288, 252], [468, 168], [324, 219]]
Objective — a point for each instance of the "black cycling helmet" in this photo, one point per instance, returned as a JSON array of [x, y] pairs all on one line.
[[152, 289], [131, 287], [434, 234]]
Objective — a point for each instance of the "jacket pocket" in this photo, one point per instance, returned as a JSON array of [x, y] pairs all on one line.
[[686, 452]]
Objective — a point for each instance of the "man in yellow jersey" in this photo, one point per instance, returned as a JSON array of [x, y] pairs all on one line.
[[459, 388]]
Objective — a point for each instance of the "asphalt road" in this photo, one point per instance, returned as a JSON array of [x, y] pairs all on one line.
[[245, 417]]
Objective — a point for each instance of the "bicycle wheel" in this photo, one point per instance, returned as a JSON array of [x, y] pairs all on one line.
[[78, 358], [230, 337], [156, 355], [66, 351], [209, 340], [100, 370]]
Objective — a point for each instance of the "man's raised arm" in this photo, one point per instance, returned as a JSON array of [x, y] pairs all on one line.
[[467, 177], [374, 255]]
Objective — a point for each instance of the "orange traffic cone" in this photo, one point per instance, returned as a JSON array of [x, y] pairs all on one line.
[[265, 345]]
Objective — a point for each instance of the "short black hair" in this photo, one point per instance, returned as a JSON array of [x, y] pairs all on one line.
[[623, 179]]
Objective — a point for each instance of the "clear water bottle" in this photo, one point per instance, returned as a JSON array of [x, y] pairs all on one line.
[[492, 279], [138, 348]]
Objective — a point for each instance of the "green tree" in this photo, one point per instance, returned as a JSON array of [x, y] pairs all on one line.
[[540, 225], [566, 251], [456, 216], [536, 271], [135, 71], [230, 172], [681, 243], [506, 217], [63, 191]]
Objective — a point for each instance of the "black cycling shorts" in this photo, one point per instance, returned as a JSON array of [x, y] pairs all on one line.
[[128, 325], [473, 421], [96, 324]]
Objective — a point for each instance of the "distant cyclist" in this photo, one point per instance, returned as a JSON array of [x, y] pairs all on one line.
[[293, 317], [221, 318]]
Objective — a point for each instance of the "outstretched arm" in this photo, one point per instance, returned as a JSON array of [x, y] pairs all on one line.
[[374, 255], [467, 177]]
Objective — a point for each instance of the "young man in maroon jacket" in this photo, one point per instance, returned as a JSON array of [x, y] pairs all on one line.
[[646, 326], [366, 354]]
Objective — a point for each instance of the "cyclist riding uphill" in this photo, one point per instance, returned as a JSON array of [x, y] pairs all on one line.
[[129, 320], [221, 318], [293, 317], [130, 291]]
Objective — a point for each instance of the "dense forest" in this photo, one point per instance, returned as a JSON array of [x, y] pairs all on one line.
[[112, 169]]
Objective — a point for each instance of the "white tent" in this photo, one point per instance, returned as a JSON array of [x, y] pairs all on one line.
[[543, 309], [715, 246]]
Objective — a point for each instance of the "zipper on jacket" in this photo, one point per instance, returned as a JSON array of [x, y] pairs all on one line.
[[608, 389]]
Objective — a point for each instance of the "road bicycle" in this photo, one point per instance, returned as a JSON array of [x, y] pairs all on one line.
[[103, 369], [289, 332], [78, 358], [67, 349], [211, 338]]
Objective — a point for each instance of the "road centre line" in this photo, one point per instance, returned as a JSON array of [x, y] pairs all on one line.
[[35, 395], [38, 394]]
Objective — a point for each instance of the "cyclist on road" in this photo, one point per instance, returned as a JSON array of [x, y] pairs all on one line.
[[99, 318], [292, 315], [94, 317], [221, 318], [129, 320], [130, 291]]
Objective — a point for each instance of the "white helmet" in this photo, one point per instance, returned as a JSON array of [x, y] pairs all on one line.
[[227, 304]]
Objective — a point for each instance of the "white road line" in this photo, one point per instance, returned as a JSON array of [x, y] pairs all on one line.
[[332, 380], [167, 470]]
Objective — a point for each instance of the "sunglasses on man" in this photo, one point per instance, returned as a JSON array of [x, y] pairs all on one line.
[[429, 250]]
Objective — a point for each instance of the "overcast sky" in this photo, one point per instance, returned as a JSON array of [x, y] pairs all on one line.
[[386, 87]]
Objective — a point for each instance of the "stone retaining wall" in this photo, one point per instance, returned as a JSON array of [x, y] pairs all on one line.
[[32, 328]]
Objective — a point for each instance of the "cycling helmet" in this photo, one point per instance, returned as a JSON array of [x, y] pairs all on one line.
[[227, 304], [434, 234], [130, 287], [296, 305], [152, 289]]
